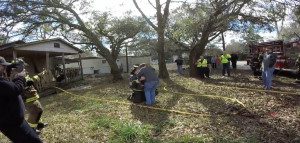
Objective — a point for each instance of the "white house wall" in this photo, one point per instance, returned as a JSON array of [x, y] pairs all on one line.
[[89, 66], [48, 47], [134, 61]]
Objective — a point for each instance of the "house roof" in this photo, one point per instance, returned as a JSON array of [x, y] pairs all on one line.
[[20, 44], [11, 45]]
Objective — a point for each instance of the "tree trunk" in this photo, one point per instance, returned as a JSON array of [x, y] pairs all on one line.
[[163, 72], [114, 70], [223, 41], [195, 53], [192, 62], [111, 60]]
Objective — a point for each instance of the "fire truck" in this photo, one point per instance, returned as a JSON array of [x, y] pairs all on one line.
[[287, 53]]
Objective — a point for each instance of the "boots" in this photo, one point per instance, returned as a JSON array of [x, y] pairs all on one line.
[[40, 126], [37, 131]]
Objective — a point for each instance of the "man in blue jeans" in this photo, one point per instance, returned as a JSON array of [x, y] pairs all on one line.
[[148, 74], [268, 63], [12, 121]]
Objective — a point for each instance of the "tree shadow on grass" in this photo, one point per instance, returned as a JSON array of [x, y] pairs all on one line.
[[240, 77], [227, 121], [158, 118], [63, 103]]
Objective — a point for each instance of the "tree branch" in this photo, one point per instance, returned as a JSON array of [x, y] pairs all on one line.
[[143, 14]]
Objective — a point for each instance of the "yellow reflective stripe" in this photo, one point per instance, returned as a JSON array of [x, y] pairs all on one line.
[[224, 59], [32, 125], [27, 78], [36, 97], [36, 77], [202, 64]]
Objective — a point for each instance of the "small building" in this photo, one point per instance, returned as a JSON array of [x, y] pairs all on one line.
[[41, 55], [99, 65]]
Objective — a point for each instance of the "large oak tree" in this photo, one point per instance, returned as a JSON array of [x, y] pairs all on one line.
[[194, 25], [76, 22], [162, 14]]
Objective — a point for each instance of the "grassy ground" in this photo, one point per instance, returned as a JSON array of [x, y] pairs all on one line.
[[100, 112]]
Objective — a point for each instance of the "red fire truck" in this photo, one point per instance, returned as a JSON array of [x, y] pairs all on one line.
[[287, 53]]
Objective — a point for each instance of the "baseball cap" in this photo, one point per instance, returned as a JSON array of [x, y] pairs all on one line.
[[3, 62]]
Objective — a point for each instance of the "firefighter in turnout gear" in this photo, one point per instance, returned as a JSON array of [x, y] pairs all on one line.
[[33, 105], [202, 67], [255, 64], [30, 99], [225, 60], [137, 87]]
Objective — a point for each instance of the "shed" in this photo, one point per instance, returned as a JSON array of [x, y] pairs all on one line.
[[40, 54]]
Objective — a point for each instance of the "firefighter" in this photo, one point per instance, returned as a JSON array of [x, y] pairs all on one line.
[[30, 99], [225, 60], [33, 106], [202, 67], [256, 65], [137, 87]]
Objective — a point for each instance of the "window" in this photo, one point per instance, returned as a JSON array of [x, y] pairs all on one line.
[[103, 61], [56, 45]]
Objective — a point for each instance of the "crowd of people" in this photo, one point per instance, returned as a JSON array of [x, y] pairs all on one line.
[[203, 64], [262, 65], [17, 94]]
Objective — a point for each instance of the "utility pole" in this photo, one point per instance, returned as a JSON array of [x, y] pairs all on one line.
[[127, 68]]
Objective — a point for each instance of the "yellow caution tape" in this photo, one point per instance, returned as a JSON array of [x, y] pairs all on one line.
[[206, 95], [138, 105], [256, 90]]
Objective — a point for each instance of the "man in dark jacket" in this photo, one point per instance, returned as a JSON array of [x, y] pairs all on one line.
[[179, 63], [12, 121], [234, 59]]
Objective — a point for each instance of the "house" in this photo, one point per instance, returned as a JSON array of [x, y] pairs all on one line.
[[41, 55], [133, 60], [99, 65]]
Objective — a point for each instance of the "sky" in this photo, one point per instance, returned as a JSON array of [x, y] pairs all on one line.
[[120, 7]]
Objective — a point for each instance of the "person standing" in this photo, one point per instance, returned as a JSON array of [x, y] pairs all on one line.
[[202, 67], [225, 58], [255, 65], [147, 73], [179, 63], [269, 60], [213, 61], [234, 59], [33, 106], [12, 122]]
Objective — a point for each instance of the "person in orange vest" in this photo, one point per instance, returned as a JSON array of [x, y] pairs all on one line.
[[202, 67], [225, 60]]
